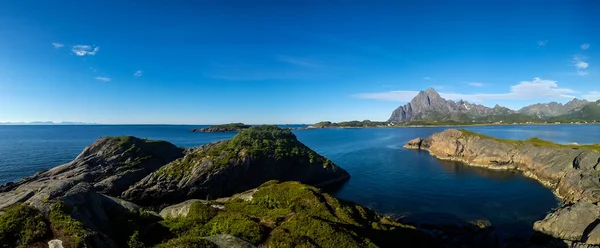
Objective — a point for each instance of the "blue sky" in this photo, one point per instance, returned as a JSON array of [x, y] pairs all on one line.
[[286, 61]]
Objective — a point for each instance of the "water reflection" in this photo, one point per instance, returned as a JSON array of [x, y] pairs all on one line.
[[462, 170]]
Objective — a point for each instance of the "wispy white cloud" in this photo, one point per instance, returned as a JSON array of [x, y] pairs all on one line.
[[103, 79], [592, 96], [581, 65], [297, 61], [427, 78], [585, 46], [83, 50], [476, 84], [138, 73], [57, 45], [542, 43], [537, 88]]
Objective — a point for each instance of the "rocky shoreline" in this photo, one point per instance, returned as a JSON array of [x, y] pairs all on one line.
[[572, 172]]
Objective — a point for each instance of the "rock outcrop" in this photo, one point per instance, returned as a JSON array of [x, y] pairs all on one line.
[[430, 106], [225, 128], [111, 165], [570, 171], [251, 158]]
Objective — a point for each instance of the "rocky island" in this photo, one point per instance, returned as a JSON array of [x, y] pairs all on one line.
[[572, 172], [224, 128], [130, 192]]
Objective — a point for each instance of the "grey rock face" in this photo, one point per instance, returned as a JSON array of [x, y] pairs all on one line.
[[110, 165], [552, 109], [229, 241], [429, 105], [575, 223], [179, 210]]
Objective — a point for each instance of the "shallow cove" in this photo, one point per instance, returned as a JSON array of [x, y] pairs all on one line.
[[397, 181]]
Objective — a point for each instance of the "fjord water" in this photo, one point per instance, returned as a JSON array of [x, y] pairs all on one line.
[[385, 177]]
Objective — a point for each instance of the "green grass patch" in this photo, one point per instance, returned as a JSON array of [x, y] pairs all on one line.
[[69, 230], [22, 225], [292, 214]]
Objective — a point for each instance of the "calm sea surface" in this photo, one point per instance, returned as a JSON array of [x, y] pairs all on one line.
[[385, 177]]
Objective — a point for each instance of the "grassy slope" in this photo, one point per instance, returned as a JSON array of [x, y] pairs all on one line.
[[291, 214]]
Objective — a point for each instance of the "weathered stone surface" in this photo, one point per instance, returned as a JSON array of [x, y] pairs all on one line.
[[574, 223], [180, 209], [110, 164], [229, 241]]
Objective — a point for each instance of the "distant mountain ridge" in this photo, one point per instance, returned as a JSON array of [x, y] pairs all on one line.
[[429, 106], [552, 109]]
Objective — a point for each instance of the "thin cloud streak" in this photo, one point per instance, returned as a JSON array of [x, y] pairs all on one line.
[[585, 46], [297, 61], [537, 88], [475, 84], [103, 79], [83, 50], [57, 45]]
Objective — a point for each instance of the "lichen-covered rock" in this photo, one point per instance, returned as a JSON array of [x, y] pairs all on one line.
[[180, 209], [252, 157]]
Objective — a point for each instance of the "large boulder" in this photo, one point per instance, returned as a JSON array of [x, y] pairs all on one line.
[[252, 157]]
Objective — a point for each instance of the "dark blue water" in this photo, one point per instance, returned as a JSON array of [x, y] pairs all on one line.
[[385, 177]]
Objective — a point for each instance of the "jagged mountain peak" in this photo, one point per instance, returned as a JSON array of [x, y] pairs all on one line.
[[429, 105]]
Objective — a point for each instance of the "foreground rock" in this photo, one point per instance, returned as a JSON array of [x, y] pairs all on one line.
[[291, 214], [571, 171], [252, 157], [225, 128]]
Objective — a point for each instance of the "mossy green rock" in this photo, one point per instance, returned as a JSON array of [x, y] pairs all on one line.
[[252, 157], [292, 214]]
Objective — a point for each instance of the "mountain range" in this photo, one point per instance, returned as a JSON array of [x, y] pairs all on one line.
[[429, 106]]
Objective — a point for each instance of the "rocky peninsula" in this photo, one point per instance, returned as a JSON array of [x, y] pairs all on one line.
[[131, 192], [572, 172], [224, 128]]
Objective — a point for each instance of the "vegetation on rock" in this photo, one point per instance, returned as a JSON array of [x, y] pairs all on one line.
[[69, 230], [22, 225], [291, 214], [265, 140]]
